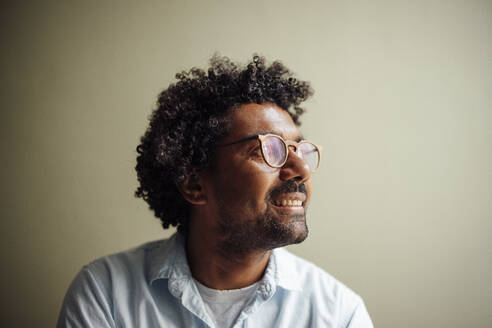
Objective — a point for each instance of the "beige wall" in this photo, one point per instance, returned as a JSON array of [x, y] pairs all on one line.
[[402, 206]]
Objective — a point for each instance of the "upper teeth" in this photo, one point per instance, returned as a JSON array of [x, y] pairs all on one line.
[[288, 202]]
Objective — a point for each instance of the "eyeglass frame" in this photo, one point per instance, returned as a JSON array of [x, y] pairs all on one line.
[[287, 144]]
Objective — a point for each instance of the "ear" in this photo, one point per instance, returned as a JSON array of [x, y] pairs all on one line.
[[192, 189]]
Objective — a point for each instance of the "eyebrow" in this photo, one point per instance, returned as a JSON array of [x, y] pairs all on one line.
[[254, 136], [299, 138]]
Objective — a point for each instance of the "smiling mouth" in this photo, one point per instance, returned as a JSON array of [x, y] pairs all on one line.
[[288, 203], [291, 200], [293, 208]]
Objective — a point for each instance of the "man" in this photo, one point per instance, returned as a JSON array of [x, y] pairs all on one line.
[[224, 161]]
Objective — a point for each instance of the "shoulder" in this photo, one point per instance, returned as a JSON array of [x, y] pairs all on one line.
[[131, 261], [134, 267], [106, 284]]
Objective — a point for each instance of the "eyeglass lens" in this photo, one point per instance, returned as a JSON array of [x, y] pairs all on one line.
[[309, 154], [275, 152]]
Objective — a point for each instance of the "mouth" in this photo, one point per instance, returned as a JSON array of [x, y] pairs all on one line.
[[290, 202]]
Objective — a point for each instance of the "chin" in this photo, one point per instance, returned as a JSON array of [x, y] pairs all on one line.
[[301, 234], [268, 231], [282, 233]]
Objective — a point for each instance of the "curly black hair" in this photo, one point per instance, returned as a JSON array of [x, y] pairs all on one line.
[[191, 117]]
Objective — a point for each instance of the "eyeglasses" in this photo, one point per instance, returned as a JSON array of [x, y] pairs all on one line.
[[274, 150]]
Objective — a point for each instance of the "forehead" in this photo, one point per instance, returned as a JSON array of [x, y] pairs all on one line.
[[251, 119]]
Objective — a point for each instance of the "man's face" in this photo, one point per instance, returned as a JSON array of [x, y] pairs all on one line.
[[246, 194]]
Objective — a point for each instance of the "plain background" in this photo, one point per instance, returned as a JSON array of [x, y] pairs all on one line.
[[402, 206]]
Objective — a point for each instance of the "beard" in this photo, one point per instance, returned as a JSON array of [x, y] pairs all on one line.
[[264, 232]]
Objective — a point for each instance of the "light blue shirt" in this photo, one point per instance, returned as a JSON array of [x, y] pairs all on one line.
[[152, 286]]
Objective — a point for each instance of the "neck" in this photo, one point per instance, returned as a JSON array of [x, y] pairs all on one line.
[[217, 269]]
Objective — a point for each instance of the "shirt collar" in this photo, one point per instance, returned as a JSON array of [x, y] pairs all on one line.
[[285, 273], [168, 261]]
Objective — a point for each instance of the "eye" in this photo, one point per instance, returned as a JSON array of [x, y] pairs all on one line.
[[255, 151]]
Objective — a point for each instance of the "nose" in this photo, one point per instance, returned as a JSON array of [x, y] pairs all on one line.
[[295, 168]]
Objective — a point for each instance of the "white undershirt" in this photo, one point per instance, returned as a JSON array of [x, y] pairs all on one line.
[[224, 306]]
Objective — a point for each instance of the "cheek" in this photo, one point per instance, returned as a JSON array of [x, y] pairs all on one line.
[[247, 188]]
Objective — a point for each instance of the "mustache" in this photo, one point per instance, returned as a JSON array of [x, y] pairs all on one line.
[[286, 187]]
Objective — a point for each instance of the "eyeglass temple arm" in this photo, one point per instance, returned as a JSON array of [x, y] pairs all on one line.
[[239, 141]]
